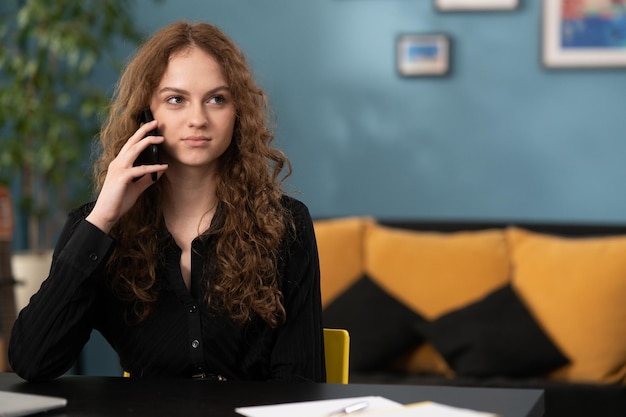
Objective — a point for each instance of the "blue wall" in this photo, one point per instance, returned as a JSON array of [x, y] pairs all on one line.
[[500, 138]]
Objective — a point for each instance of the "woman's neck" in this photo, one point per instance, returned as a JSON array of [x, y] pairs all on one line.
[[189, 201]]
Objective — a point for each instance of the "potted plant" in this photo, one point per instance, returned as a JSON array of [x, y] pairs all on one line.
[[50, 103]]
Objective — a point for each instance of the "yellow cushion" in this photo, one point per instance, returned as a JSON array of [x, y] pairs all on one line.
[[575, 287], [424, 360], [340, 247], [435, 272]]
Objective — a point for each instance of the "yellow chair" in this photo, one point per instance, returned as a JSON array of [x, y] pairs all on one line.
[[337, 355]]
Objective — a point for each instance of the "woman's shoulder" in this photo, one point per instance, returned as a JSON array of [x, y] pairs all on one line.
[[300, 219], [297, 209], [292, 203]]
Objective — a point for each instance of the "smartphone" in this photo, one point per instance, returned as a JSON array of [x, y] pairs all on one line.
[[150, 155]]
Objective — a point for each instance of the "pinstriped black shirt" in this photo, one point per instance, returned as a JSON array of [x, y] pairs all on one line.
[[182, 338]]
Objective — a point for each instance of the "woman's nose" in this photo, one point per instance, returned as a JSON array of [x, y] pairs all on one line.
[[198, 116]]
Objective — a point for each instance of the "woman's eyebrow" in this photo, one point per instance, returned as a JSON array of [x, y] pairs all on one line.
[[173, 90], [182, 91]]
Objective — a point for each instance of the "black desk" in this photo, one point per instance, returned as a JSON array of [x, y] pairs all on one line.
[[111, 396]]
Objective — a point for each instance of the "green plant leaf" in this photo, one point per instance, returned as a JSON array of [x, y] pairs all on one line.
[[49, 104]]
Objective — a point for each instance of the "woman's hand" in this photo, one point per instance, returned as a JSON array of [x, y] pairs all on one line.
[[119, 192]]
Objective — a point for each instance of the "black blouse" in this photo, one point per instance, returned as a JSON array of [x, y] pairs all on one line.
[[181, 338]]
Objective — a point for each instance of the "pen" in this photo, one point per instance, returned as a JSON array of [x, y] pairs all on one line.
[[352, 408]]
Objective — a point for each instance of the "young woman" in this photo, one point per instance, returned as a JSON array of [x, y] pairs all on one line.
[[198, 266]]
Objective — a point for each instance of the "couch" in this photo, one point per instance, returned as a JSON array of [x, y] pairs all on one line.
[[497, 304]]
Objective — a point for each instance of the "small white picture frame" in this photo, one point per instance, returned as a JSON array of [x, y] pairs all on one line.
[[423, 55], [477, 5]]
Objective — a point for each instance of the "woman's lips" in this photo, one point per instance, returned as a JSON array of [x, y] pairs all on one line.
[[194, 141]]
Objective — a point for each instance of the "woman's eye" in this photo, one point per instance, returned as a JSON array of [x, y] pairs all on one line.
[[217, 100], [175, 100]]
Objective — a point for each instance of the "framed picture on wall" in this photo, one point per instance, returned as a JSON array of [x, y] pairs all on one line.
[[423, 55], [452, 5], [584, 33]]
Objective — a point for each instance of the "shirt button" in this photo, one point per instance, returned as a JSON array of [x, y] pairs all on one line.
[[192, 309], [93, 256], [195, 344]]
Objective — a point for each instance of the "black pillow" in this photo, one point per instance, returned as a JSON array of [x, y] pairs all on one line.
[[380, 326], [495, 336]]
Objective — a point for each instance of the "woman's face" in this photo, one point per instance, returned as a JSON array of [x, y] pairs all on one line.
[[194, 110]]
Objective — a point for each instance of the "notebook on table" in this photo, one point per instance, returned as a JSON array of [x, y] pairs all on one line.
[[13, 404]]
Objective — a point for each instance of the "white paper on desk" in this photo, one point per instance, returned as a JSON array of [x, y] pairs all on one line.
[[14, 404], [429, 409], [319, 408]]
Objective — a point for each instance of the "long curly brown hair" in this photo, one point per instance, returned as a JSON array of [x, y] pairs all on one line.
[[252, 221]]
